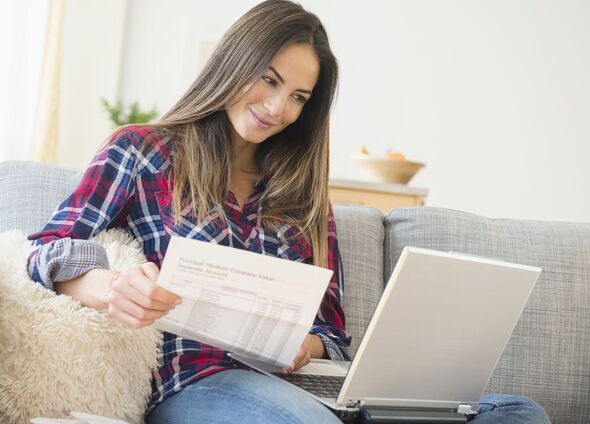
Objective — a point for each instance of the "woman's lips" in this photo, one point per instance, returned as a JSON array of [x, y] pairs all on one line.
[[259, 121]]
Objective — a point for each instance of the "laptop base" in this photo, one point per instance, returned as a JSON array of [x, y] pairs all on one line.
[[390, 415]]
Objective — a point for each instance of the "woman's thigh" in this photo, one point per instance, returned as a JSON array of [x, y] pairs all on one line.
[[500, 409], [240, 396]]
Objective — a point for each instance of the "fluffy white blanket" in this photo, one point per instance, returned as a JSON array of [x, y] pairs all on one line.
[[57, 356]]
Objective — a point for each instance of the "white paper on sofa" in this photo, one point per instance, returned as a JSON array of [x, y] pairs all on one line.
[[256, 305], [78, 418]]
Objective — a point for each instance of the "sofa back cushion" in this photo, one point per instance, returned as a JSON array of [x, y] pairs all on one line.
[[30, 191], [360, 239], [547, 356]]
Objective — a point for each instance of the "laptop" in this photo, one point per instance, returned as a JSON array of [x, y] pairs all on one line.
[[432, 344]]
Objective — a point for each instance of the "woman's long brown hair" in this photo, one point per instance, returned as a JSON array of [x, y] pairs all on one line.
[[294, 162]]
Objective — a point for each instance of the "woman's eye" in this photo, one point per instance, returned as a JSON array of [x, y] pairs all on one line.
[[269, 80], [300, 99]]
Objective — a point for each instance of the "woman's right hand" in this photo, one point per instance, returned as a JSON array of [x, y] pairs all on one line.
[[135, 299]]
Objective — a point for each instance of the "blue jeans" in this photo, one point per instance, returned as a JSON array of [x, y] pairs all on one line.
[[507, 409], [241, 396]]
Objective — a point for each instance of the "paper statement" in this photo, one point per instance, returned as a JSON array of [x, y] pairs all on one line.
[[256, 305]]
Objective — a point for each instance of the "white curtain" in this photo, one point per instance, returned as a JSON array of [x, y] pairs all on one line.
[[46, 124], [23, 33]]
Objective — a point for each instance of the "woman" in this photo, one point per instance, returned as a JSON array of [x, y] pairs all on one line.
[[240, 160]]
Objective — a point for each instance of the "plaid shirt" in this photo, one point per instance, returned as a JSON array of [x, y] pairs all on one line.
[[129, 187]]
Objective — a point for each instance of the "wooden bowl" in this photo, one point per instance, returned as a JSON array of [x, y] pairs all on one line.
[[385, 170]]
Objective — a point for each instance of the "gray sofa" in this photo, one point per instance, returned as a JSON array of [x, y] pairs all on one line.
[[548, 355]]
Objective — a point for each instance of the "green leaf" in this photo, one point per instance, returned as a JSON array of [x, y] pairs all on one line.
[[132, 114]]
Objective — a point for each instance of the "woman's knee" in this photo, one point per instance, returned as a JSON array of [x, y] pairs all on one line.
[[510, 408]]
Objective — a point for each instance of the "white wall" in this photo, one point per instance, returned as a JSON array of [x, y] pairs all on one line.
[[493, 95], [91, 65]]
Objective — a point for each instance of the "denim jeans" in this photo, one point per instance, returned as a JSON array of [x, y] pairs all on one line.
[[241, 396], [500, 409]]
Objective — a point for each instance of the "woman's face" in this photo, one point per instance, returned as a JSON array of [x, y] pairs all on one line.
[[275, 101]]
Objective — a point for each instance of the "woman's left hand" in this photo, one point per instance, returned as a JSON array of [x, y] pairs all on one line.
[[312, 347]]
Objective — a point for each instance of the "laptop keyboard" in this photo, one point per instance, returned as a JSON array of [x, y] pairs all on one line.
[[325, 386]]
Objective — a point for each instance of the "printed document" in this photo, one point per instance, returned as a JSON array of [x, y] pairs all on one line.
[[78, 418], [248, 303]]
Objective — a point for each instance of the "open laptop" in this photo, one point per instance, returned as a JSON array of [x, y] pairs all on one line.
[[432, 344]]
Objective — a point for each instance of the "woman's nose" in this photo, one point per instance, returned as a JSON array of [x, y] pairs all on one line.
[[275, 105]]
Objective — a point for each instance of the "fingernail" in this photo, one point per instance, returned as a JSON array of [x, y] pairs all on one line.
[[179, 301]]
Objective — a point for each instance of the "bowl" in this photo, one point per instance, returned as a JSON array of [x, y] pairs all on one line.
[[385, 170]]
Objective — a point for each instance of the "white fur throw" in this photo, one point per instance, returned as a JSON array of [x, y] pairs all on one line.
[[57, 356]]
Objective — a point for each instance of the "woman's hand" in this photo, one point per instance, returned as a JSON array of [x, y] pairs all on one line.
[[135, 299], [312, 347]]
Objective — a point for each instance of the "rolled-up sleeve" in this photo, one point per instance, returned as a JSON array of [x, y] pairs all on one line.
[[61, 249], [329, 323]]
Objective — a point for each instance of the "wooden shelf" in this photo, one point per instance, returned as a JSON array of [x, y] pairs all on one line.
[[382, 196]]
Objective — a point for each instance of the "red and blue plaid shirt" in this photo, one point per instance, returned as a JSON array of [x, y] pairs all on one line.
[[129, 187]]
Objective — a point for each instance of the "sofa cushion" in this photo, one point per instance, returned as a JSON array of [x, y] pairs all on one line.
[[548, 354], [360, 239], [58, 356], [30, 191]]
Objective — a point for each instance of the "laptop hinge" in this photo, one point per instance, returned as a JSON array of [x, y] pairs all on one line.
[[465, 409], [373, 415], [354, 403]]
